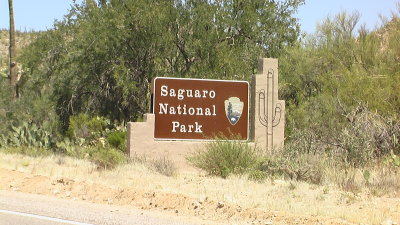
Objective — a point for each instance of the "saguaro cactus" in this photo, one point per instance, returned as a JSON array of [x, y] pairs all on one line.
[[13, 64]]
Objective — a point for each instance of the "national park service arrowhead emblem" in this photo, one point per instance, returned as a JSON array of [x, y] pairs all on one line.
[[233, 109]]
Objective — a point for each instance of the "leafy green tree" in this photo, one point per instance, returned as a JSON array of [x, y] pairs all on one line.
[[102, 57], [340, 89]]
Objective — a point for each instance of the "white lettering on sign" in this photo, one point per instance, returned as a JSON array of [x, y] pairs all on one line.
[[186, 93], [198, 109], [184, 110], [182, 128]]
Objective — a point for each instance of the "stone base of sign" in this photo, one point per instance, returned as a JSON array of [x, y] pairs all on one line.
[[267, 113], [267, 123], [140, 142]]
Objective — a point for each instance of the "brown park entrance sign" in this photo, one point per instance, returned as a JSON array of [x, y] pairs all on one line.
[[194, 109]]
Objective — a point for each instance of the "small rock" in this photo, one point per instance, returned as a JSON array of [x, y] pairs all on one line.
[[176, 211], [196, 205], [203, 199], [64, 181], [388, 222], [220, 205], [13, 187]]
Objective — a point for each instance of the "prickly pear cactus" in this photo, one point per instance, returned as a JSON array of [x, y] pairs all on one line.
[[27, 135]]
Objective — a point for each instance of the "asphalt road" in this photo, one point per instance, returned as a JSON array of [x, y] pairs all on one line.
[[23, 209]]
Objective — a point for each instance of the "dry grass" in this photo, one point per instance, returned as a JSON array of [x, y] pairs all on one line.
[[164, 166], [378, 180], [293, 197]]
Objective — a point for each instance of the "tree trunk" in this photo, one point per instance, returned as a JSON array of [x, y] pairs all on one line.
[[13, 63]]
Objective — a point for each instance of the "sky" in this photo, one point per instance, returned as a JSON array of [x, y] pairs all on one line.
[[39, 15], [315, 11]]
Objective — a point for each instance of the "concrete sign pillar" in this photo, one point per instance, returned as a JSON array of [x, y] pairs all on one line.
[[211, 108], [267, 112]]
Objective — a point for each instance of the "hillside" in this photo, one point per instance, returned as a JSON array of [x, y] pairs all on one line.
[[22, 39], [389, 31]]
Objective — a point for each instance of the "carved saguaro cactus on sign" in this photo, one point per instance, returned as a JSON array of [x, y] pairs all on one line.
[[268, 122]]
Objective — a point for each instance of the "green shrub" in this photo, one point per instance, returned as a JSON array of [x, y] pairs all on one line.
[[87, 128], [294, 166], [69, 148], [393, 160], [106, 158], [363, 136], [65, 147], [117, 139], [367, 136], [257, 175], [222, 158]]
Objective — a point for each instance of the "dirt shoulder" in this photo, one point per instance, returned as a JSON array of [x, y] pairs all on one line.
[[210, 200], [207, 210]]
